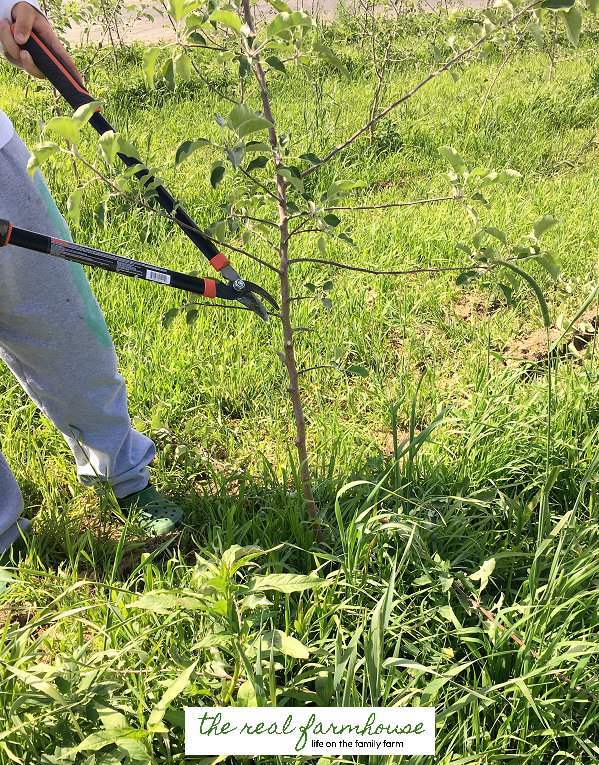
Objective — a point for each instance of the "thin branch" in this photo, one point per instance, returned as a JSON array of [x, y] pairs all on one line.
[[257, 220], [264, 239], [258, 183], [310, 369], [506, 58], [389, 273], [396, 204], [552, 56], [300, 230], [197, 45], [414, 90], [380, 75], [209, 84]]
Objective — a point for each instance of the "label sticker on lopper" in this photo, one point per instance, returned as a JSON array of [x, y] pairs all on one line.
[[157, 276]]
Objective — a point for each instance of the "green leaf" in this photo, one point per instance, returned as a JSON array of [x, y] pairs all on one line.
[[497, 233], [176, 717], [507, 292], [322, 245], [285, 21], [465, 278], [175, 689], [182, 64], [276, 63], [222, 58], [39, 154], [287, 582], [592, 6], [244, 121], [149, 64], [543, 225], [573, 22], [85, 112], [312, 158], [162, 602], [484, 573], [322, 51], [331, 220], [191, 315], [216, 176], [66, 127], [109, 146], [100, 213], [195, 20], [356, 369], [338, 186], [280, 6], [328, 286], [257, 163], [245, 67], [536, 31], [508, 175], [253, 125], [175, 8], [279, 641], [557, 5], [74, 205], [168, 73], [254, 601], [169, 317], [37, 683], [128, 149], [227, 19], [327, 302], [97, 741], [454, 159], [550, 264], [187, 148], [246, 695], [296, 182], [257, 146]]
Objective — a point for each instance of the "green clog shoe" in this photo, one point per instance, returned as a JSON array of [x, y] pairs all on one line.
[[10, 559], [158, 514]]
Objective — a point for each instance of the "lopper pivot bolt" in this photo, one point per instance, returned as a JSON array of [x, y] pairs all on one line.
[[240, 290]]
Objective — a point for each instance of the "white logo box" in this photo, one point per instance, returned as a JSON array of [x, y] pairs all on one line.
[[253, 731]]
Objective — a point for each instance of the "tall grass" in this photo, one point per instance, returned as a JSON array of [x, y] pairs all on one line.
[[436, 463]]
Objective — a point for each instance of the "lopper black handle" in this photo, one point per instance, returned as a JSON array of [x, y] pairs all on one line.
[[69, 85], [88, 256], [49, 61]]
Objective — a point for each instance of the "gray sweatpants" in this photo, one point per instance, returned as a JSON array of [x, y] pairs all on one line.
[[54, 339]]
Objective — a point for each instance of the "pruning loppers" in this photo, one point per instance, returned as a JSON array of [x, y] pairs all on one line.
[[88, 256], [70, 86]]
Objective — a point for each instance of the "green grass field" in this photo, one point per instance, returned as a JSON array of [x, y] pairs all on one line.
[[437, 461]]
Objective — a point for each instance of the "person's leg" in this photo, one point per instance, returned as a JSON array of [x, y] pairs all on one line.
[[54, 339], [11, 507]]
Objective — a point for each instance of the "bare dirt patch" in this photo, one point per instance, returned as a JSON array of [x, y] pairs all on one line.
[[533, 348]]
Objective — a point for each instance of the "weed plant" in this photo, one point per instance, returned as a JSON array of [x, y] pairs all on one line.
[[429, 468]]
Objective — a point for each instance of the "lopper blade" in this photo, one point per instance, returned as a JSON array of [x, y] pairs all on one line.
[[247, 298]]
